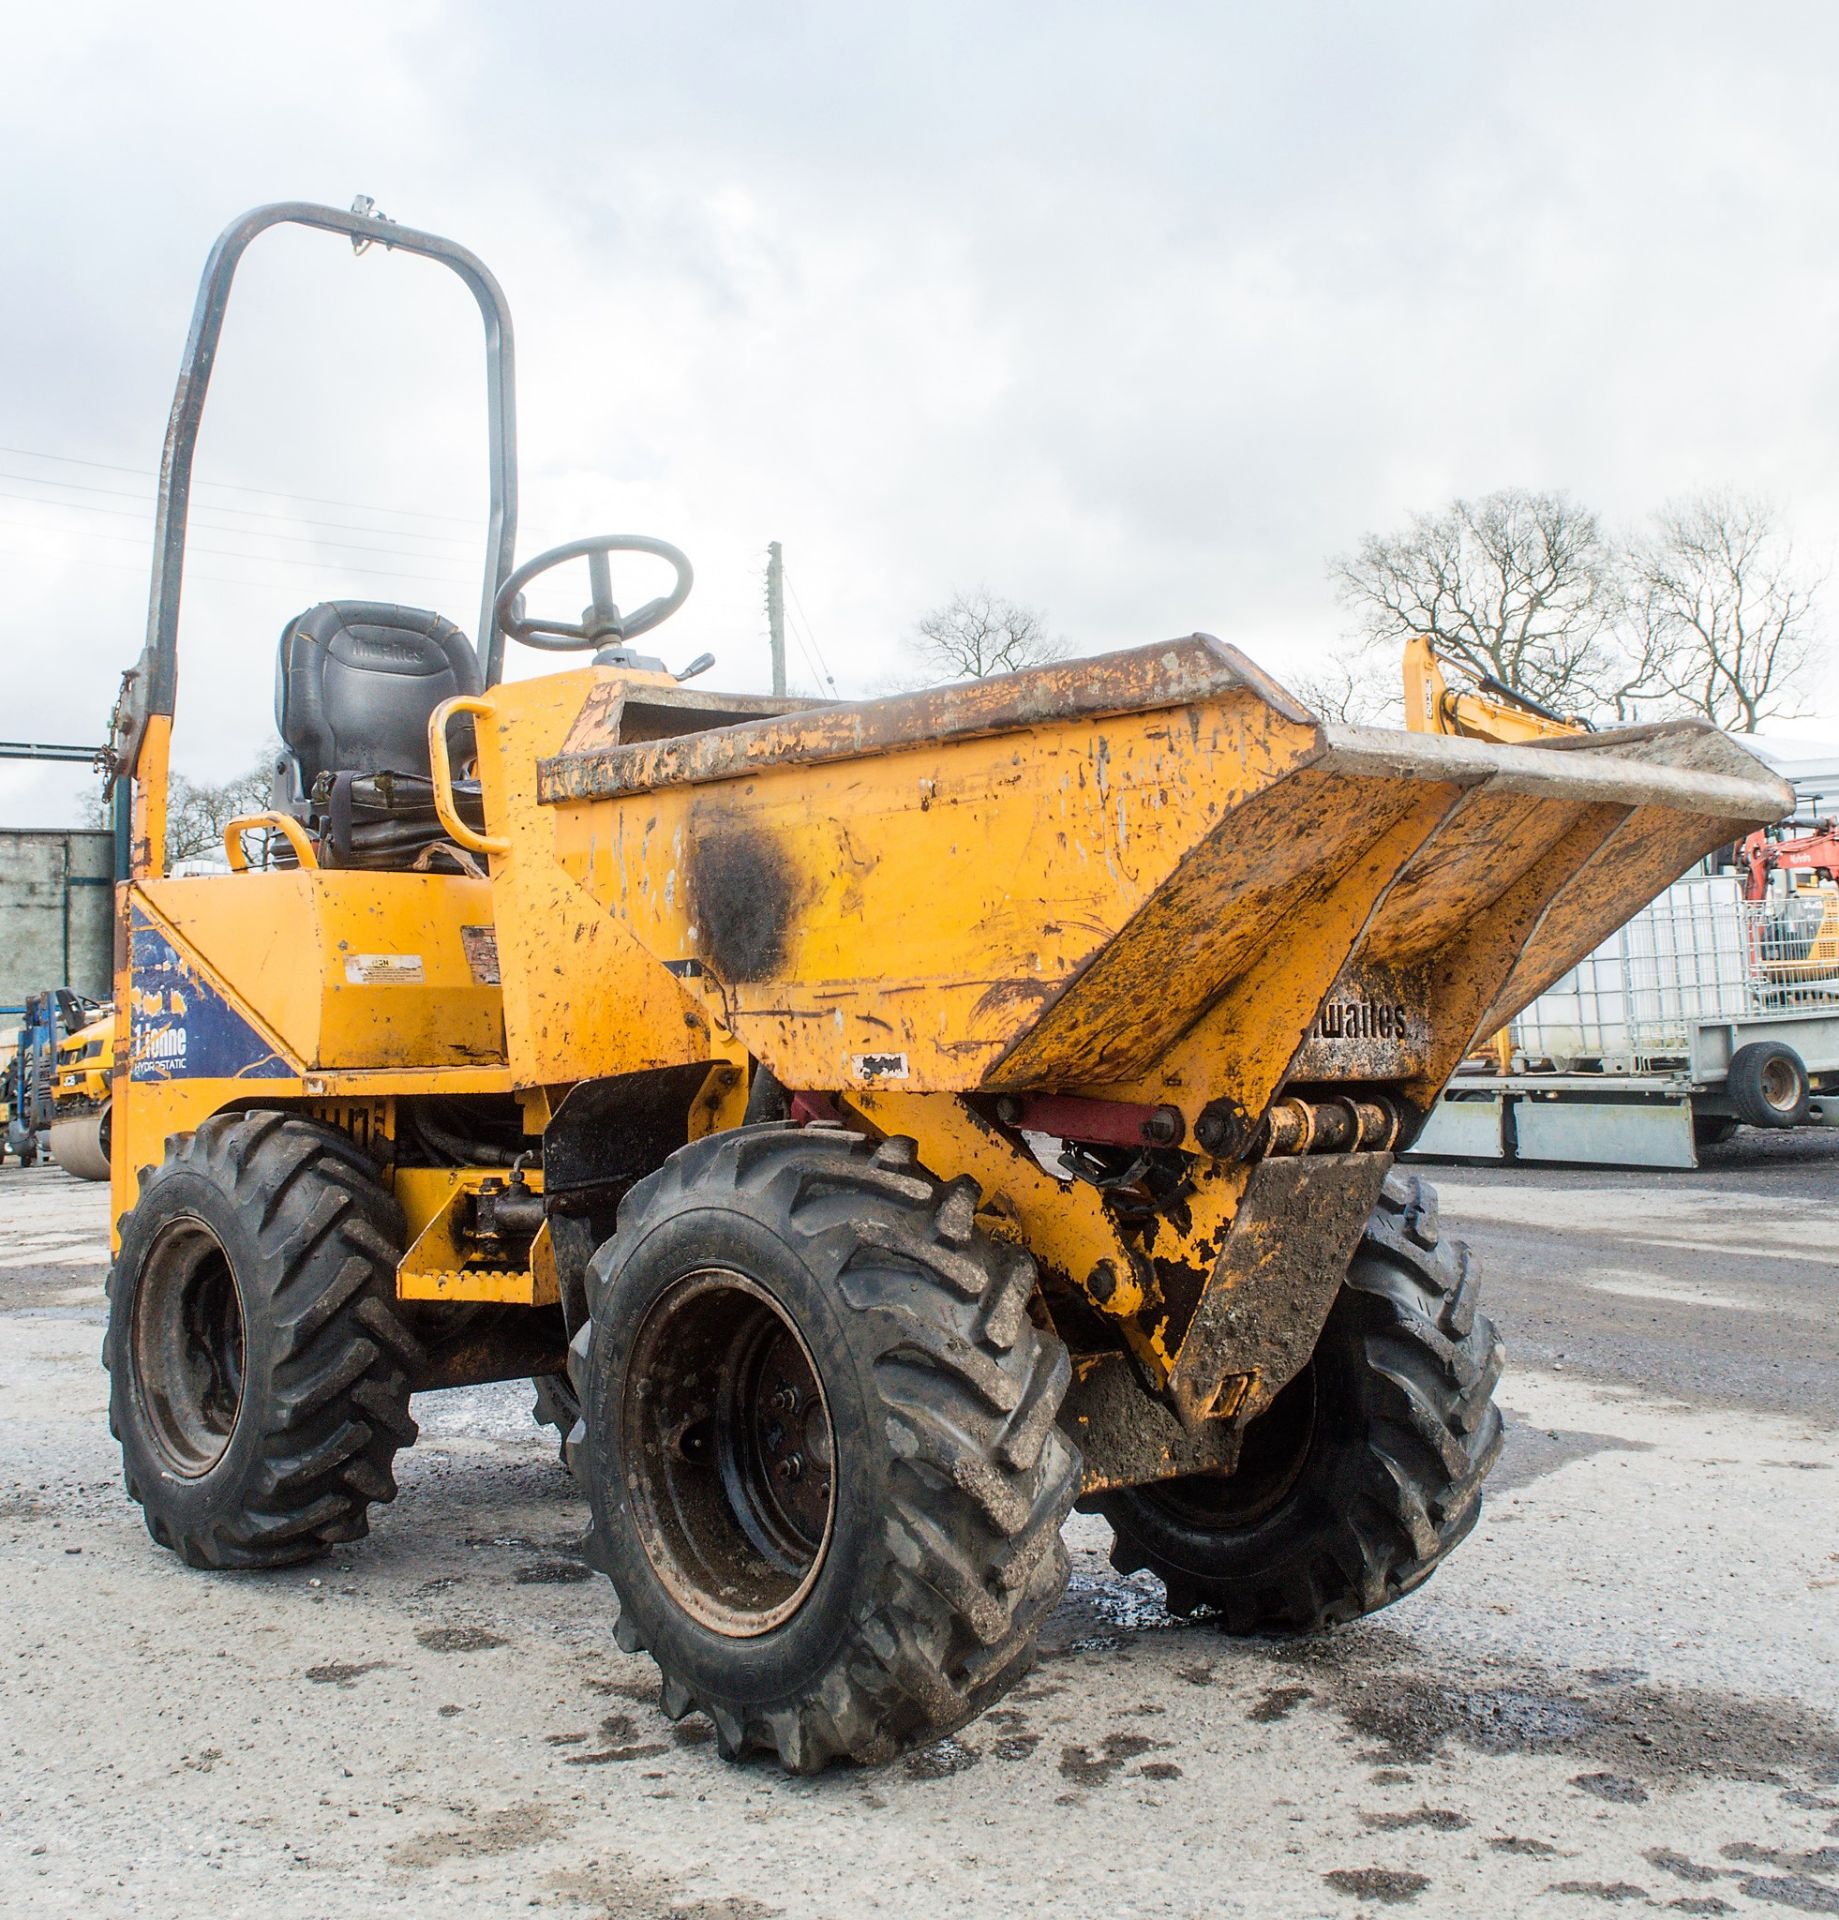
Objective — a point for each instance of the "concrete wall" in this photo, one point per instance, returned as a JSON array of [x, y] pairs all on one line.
[[56, 913]]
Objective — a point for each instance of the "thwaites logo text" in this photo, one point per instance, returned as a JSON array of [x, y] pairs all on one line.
[[1362, 1020]]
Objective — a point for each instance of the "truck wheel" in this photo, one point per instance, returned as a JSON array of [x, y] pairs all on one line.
[[1367, 1468], [819, 1446], [1768, 1086], [259, 1370]]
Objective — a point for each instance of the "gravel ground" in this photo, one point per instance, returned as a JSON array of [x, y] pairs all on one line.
[[1622, 1693]]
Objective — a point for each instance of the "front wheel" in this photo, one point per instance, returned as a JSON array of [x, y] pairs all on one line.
[[1365, 1471], [818, 1441], [259, 1372]]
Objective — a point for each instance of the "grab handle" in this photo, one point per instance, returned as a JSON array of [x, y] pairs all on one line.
[[440, 768], [289, 829]]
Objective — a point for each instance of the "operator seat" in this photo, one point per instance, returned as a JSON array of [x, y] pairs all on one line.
[[356, 682]]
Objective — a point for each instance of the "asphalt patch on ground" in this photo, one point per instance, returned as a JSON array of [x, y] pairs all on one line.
[[1630, 1737], [1092, 1767], [341, 1673], [459, 1639], [552, 1573], [1391, 1886]]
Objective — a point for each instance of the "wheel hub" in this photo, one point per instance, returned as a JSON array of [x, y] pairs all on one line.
[[188, 1347], [728, 1453]]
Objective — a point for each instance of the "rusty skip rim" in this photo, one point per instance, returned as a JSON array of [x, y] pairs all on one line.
[[1629, 766], [1742, 787], [1175, 673]]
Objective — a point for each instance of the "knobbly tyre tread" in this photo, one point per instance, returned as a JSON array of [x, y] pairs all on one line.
[[340, 1357], [1376, 1524], [971, 1555]]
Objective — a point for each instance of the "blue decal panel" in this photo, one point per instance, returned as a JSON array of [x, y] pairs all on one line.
[[180, 1027]]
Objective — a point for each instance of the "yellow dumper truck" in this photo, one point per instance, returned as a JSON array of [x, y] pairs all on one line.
[[876, 1126]]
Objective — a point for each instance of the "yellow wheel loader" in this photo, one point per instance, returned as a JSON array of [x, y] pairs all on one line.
[[877, 1126]]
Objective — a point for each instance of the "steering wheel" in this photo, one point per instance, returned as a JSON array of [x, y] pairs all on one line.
[[602, 620]]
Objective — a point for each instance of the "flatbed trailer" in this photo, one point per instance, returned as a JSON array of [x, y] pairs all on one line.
[[1628, 1060], [1624, 1119]]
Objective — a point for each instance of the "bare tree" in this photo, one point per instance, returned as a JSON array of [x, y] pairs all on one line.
[[1722, 608], [197, 812], [976, 634], [1519, 586], [1355, 691]]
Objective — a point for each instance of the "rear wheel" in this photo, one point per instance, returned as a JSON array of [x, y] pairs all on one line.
[[818, 1440], [259, 1370], [1367, 1468]]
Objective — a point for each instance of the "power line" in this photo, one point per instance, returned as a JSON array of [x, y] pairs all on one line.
[[817, 672], [250, 533], [269, 559], [825, 677], [245, 513], [805, 621], [197, 574], [231, 486], [800, 634]]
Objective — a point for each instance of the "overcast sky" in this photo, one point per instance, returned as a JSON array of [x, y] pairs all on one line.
[[1134, 314]]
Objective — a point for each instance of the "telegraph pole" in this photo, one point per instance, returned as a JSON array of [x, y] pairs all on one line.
[[775, 611]]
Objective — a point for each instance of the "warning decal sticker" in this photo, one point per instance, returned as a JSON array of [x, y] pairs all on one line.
[[384, 969]]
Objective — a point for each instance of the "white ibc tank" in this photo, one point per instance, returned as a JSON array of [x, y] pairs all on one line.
[[1632, 1001]]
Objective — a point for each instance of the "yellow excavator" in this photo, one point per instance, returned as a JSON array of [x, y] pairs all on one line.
[[877, 1125], [1488, 710]]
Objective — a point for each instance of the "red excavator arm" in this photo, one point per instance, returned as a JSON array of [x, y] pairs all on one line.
[[1790, 847]]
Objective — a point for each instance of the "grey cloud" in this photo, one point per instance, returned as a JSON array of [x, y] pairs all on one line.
[[1134, 313]]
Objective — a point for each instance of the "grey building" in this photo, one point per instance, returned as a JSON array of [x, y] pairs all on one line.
[[56, 913], [1811, 767]]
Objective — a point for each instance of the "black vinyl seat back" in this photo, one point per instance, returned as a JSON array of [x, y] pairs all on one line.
[[356, 682]]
